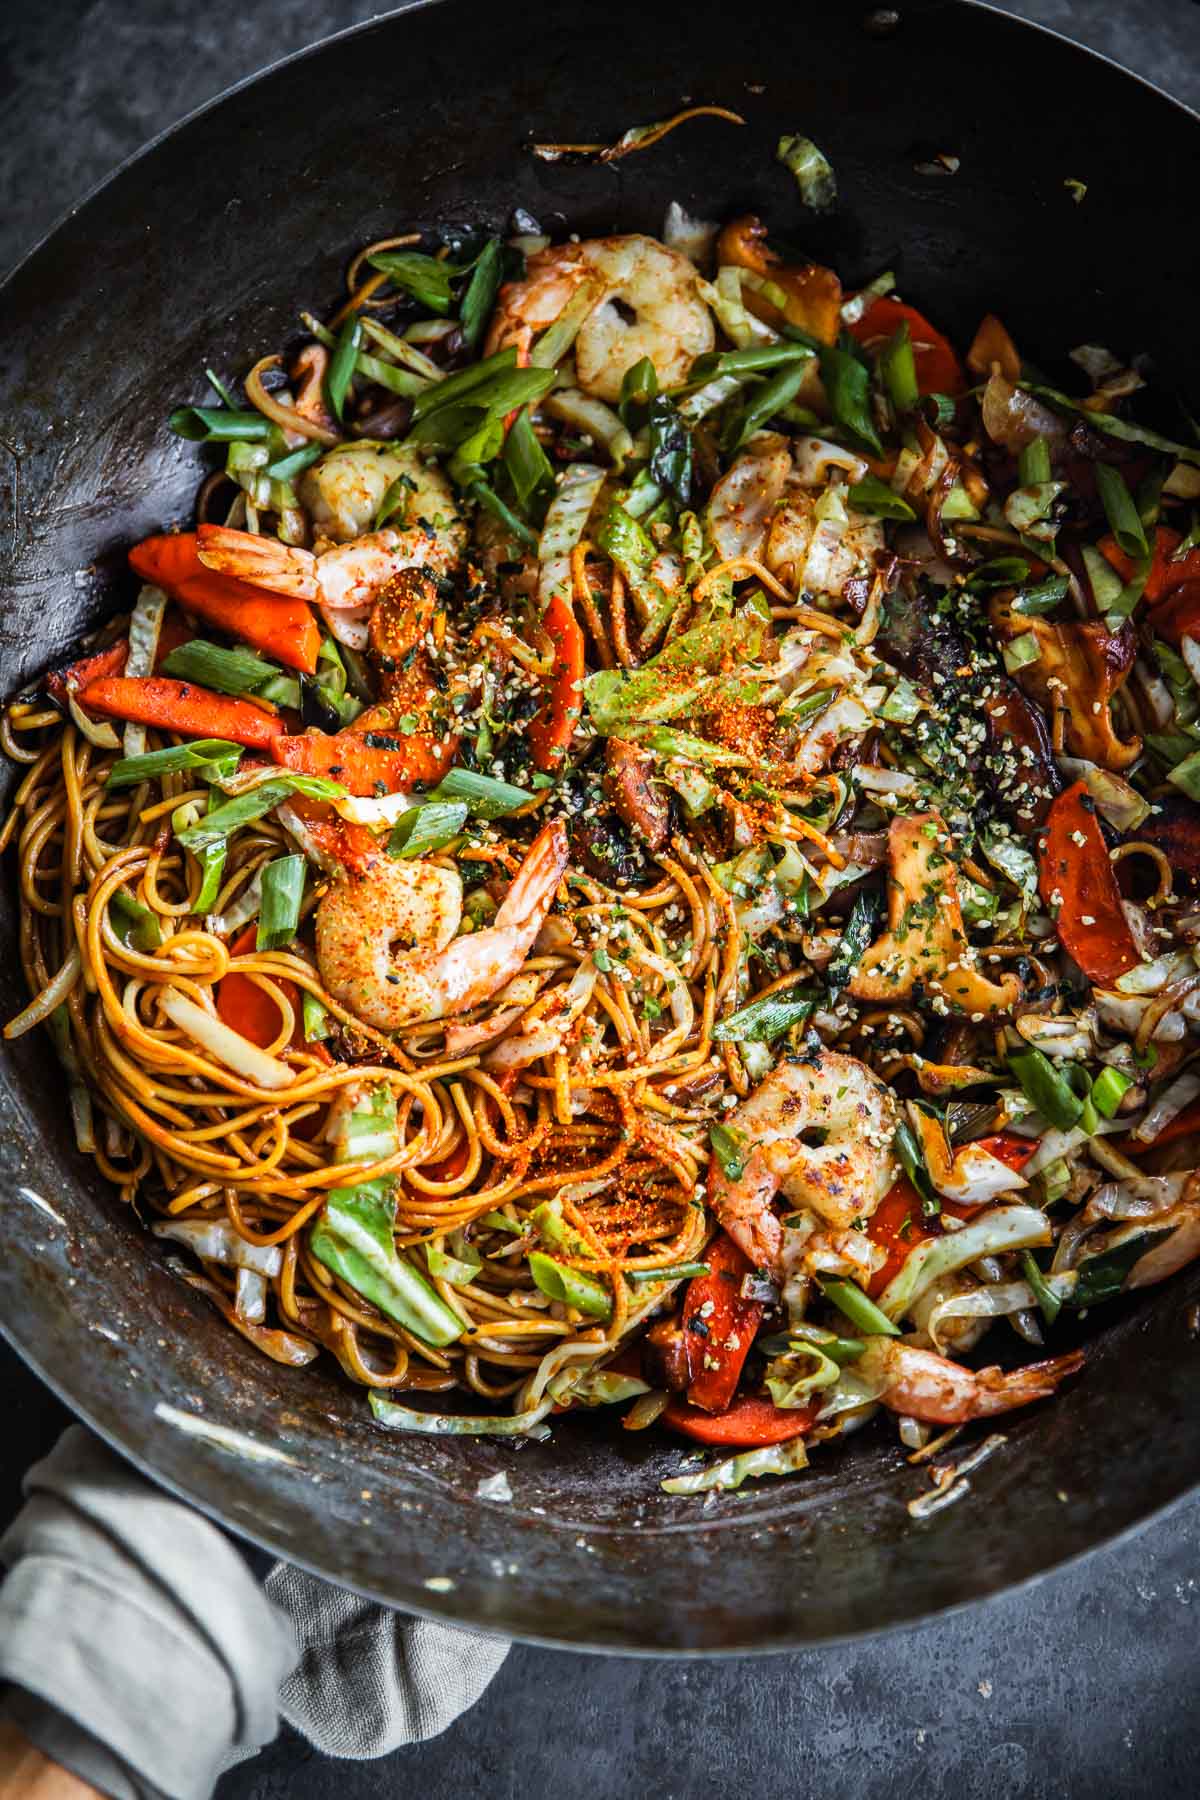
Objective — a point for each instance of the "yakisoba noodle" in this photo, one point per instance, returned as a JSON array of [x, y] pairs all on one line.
[[632, 857]]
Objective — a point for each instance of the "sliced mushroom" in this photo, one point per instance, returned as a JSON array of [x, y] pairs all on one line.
[[645, 807], [1079, 667], [926, 941]]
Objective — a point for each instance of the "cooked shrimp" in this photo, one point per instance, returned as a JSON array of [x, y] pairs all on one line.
[[671, 323], [344, 490], [355, 569], [923, 1385], [419, 906], [842, 1177]]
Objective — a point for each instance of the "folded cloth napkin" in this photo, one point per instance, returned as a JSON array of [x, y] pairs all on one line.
[[143, 1655]]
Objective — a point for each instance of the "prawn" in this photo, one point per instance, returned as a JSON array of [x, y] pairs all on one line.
[[419, 905], [923, 1385], [356, 564], [671, 325], [841, 1178]]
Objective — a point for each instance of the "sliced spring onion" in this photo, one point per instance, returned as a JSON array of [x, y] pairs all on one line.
[[529, 468], [1101, 1277], [279, 910], [316, 1020], [870, 495], [424, 277], [1108, 1090], [424, 829], [472, 384], [217, 824], [570, 1286], [137, 927], [554, 342], [769, 398], [729, 1148], [485, 795], [912, 1161], [488, 497], [1041, 596], [212, 864], [1124, 522], [235, 671], [1186, 775], [340, 371], [1043, 1293], [898, 368], [1124, 429], [1033, 463], [766, 1019], [295, 462], [847, 387], [213, 755], [813, 171], [1020, 651], [1050, 1092], [480, 295], [219, 425], [459, 1271], [856, 1306], [639, 386], [585, 414], [673, 1272]]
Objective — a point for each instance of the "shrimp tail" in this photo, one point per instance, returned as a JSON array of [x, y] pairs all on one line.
[[744, 1209], [262, 561], [1001, 1391], [532, 892]]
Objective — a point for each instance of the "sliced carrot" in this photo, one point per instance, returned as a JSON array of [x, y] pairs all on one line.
[[552, 728], [749, 1422], [1013, 1151], [366, 763], [897, 1225], [353, 846], [1164, 575], [247, 1009], [74, 676], [180, 706], [938, 368], [281, 628]]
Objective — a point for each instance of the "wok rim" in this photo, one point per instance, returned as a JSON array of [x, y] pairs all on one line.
[[263, 1540], [425, 1608]]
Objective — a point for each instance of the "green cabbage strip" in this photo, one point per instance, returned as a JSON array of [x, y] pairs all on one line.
[[354, 1235], [615, 697]]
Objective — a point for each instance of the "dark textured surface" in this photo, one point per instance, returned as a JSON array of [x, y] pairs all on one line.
[[1078, 1687]]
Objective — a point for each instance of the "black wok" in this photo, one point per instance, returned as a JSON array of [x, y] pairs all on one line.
[[201, 251]]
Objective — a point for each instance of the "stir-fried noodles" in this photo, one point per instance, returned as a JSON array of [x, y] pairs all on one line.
[[643, 851]]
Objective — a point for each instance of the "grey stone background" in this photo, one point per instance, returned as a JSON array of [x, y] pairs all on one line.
[[1081, 1686]]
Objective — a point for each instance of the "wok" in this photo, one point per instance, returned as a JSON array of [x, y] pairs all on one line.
[[202, 250]]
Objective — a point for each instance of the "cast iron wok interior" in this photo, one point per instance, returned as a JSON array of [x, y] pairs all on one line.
[[202, 251]]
